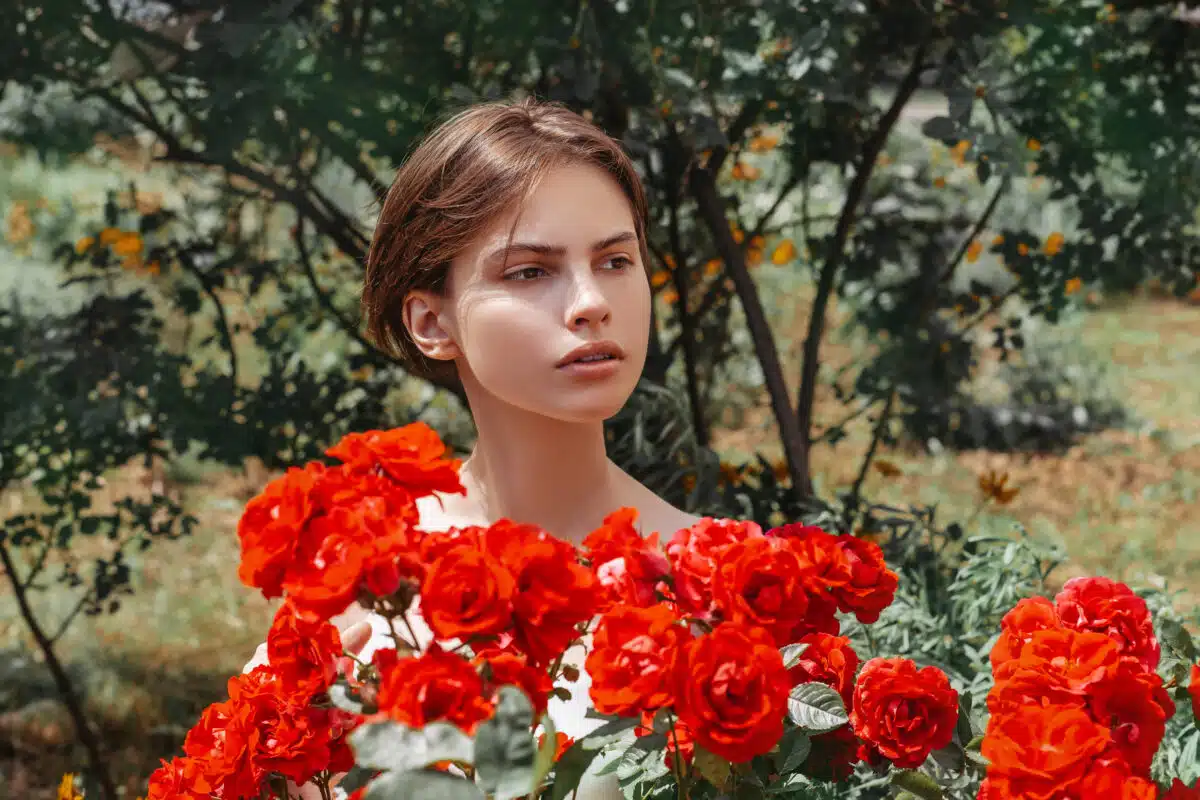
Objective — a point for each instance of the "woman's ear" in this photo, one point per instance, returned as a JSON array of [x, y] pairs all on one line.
[[423, 318]]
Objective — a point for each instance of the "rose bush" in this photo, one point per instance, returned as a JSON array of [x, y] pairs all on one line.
[[717, 663]]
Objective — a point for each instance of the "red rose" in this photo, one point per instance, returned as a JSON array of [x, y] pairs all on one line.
[[184, 778], [562, 743], [273, 529], [826, 564], [435, 685], [1105, 606], [829, 660], [1178, 791], [632, 660], [1021, 763], [412, 455], [1135, 707], [467, 593], [902, 712], [872, 586], [833, 755], [1113, 782], [303, 652], [1194, 690], [1056, 666], [554, 592], [692, 553], [1018, 626], [631, 568], [512, 669], [761, 581], [731, 691]]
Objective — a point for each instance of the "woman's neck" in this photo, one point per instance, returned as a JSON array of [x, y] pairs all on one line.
[[542, 471]]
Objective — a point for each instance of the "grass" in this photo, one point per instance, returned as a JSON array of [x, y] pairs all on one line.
[[1121, 502]]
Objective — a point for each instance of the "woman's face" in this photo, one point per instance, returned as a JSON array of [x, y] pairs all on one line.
[[516, 314]]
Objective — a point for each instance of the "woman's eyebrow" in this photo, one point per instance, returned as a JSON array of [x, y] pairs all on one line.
[[501, 254]]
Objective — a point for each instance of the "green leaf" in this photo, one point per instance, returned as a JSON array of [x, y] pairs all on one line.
[[791, 654], [712, 767], [794, 749], [816, 708], [575, 762], [422, 785], [1177, 638], [942, 128], [339, 695], [395, 747], [918, 783], [545, 756], [505, 751]]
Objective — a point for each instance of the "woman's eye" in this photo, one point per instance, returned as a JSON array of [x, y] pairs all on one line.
[[620, 262], [525, 274]]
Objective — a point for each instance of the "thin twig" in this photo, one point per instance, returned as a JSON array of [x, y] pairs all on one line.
[[876, 437]]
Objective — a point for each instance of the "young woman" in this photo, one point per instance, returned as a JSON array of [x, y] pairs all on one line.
[[511, 249]]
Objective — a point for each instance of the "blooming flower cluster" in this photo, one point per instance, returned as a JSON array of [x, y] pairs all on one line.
[[1077, 710]]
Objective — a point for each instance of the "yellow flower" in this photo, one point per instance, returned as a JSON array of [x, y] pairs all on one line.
[[763, 144], [784, 252], [67, 790], [746, 172], [1054, 244], [1073, 285], [973, 251], [84, 244], [994, 486]]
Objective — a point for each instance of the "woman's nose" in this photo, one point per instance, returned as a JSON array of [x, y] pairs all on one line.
[[587, 305]]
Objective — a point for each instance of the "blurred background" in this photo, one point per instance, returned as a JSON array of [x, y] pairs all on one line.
[[924, 272]]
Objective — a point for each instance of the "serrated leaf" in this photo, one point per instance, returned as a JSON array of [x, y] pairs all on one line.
[[421, 785], [575, 762], [918, 783], [1177, 638], [791, 654], [398, 748], [816, 708]]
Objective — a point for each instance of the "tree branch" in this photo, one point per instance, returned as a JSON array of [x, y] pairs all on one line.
[[836, 252], [87, 737]]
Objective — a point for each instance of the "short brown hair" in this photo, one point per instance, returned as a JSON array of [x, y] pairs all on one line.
[[475, 165]]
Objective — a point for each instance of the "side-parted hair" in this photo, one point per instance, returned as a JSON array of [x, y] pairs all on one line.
[[477, 164]]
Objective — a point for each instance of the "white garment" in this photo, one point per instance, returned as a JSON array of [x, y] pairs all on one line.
[[569, 716]]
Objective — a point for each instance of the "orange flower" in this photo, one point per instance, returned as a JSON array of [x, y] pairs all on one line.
[[732, 691], [887, 469], [1027, 617], [111, 235], [746, 172], [712, 267], [903, 713], [84, 244], [1033, 144], [660, 278], [130, 244], [184, 778], [973, 251], [994, 486], [1054, 244], [272, 528], [939, 182], [436, 685], [633, 658], [1059, 667], [1073, 285], [1023, 249], [784, 252], [754, 256], [764, 143]]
